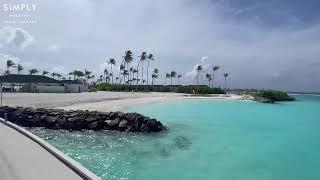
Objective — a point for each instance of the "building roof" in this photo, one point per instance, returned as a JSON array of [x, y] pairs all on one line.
[[71, 81], [20, 78]]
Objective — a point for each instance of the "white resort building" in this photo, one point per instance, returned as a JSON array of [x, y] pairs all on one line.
[[40, 84]]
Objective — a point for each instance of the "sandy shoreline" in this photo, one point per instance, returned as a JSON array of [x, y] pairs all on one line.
[[97, 101]]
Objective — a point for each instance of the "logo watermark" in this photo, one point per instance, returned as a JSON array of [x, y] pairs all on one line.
[[15, 13]]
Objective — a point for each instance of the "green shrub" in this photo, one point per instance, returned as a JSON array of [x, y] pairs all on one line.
[[275, 95], [202, 89], [129, 88]]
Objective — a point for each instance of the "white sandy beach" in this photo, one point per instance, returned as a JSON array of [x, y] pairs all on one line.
[[99, 101]]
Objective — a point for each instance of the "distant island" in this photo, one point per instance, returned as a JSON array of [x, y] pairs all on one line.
[[272, 96]]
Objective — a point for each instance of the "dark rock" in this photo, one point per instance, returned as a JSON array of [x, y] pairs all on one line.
[[130, 129], [73, 119], [36, 118], [153, 126], [123, 123], [119, 114], [79, 120], [62, 120], [43, 117], [90, 118], [130, 116], [113, 123], [144, 128], [263, 100], [51, 119], [73, 114], [54, 113], [93, 125]]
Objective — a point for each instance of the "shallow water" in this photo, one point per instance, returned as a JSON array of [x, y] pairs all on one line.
[[208, 139]]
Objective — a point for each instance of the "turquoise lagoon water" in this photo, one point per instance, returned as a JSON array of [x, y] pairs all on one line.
[[208, 139]]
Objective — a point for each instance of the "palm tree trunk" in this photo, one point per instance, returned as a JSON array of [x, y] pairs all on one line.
[[212, 79], [225, 86], [198, 78], [112, 74], [148, 73], [142, 72], [138, 71]]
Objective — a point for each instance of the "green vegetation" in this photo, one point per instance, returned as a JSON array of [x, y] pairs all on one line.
[[200, 89], [274, 95], [129, 88]]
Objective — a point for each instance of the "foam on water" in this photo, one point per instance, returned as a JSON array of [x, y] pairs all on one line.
[[207, 139]]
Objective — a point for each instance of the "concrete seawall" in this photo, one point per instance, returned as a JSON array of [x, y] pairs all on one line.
[[26, 156]]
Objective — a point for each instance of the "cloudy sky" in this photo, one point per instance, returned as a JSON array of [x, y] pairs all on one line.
[[261, 44]]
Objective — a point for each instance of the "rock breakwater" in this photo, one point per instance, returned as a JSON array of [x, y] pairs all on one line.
[[80, 120]]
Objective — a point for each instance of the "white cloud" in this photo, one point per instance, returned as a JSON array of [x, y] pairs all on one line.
[[54, 48], [58, 69], [12, 37], [204, 58]]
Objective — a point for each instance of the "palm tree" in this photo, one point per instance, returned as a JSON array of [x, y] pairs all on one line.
[[71, 74], [122, 69], [172, 75], [198, 68], [168, 75], [214, 69], [90, 77], [124, 74], [130, 73], [87, 74], [135, 71], [79, 74], [33, 71], [44, 72], [225, 82], [179, 76], [10, 63], [209, 78], [128, 58], [150, 57], [112, 62], [19, 68], [142, 57], [58, 75], [155, 75], [53, 74]]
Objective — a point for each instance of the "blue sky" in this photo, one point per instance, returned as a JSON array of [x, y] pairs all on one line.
[[261, 44]]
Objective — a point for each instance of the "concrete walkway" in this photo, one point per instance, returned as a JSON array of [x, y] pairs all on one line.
[[23, 159]]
